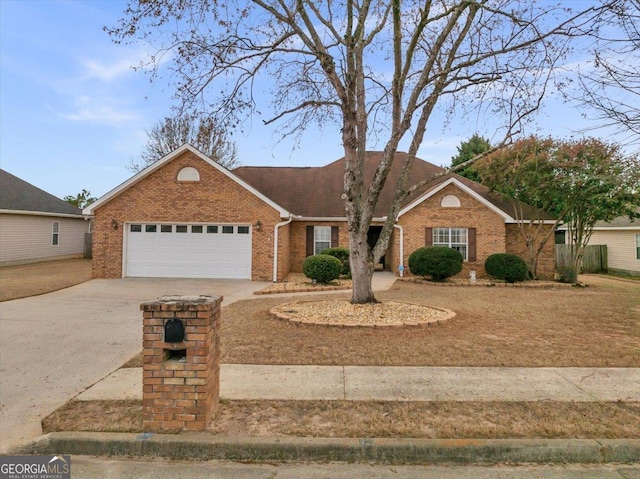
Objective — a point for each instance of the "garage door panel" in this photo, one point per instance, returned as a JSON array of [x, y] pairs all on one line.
[[202, 252]]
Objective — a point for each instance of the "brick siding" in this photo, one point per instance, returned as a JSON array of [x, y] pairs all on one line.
[[159, 197], [299, 240], [547, 260], [181, 394], [490, 228]]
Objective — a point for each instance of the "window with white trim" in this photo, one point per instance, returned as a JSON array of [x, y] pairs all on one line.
[[637, 246], [450, 201], [456, 238], [321, 239], [188, 173], [55, 233]]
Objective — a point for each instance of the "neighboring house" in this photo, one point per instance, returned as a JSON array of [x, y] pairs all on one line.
[[187, 216], [622, 237], [36, 226]]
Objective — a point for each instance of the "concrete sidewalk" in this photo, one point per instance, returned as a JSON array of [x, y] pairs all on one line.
[[359, 383]]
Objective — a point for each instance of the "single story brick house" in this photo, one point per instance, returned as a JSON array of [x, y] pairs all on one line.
[[187, 216], [36, 226]]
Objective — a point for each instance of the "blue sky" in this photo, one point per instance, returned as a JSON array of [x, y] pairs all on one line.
[[73, 114]]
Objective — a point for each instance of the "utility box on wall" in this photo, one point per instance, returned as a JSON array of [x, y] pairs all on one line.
[[181, 369]]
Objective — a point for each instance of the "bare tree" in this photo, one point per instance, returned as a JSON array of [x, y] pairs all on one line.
[[378, 68], [203, 132], [609, 85]]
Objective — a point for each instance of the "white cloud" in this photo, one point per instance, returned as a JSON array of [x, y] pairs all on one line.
[[88, 110], [125, 63], [97, 69], [103, 114]]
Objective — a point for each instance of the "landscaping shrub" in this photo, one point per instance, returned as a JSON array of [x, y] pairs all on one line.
[[439, 262], [508, 267], [343, 255], [567, 274], [322, 267]]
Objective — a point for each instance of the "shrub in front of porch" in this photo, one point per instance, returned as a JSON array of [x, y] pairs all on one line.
[[343, 255], [438, 262], [322, 267], [508, 267]]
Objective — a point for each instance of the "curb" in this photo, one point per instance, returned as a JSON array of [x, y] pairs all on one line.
[[202, 446]]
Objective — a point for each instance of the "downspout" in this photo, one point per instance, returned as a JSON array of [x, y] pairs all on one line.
[[275, 246], [401, 250]]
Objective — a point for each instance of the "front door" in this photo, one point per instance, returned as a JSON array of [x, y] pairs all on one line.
[[372, 238]]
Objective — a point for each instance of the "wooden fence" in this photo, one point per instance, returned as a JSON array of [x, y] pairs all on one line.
[[593, 261]]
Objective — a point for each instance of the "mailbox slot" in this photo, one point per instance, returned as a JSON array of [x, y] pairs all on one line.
[[174, 331]]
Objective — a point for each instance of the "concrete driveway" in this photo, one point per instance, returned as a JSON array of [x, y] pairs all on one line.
[[54, 346]]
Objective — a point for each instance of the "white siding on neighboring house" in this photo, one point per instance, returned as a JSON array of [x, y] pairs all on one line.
[[29, 238], [621, 248]]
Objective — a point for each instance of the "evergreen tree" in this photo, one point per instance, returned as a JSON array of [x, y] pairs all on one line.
[[468, 150]]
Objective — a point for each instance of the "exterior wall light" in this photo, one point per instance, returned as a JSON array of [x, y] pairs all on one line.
[[114, 224], [258, 225]]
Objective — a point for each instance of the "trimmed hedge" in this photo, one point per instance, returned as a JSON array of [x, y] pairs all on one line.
[[322, 267], [439, 262], [343, 255], [508, 267]]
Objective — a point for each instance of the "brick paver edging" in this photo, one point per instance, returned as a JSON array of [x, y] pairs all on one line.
[[479, 283], [203, 446], [482, 284], [302, 290]]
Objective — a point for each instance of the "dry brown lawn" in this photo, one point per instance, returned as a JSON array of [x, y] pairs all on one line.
[[432, 420], [597, 326], [95, 416], [40, 278], [542, 419]]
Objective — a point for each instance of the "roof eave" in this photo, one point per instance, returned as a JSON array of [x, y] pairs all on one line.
[[507, 218], [89, 210], [333, 218], [43, 213]]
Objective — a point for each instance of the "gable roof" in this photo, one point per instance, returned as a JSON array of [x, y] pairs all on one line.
[[511, 210], [166, 159], [621, 222], [20, 197], [316, 192]]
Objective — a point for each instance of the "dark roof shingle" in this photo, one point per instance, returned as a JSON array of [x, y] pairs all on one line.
[[317, 191], [18, 195], [620, 222]]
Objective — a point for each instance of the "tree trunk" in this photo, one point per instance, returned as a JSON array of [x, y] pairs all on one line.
[[361, 261]]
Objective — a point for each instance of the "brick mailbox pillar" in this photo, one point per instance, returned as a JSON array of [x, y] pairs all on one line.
[[181, 380]]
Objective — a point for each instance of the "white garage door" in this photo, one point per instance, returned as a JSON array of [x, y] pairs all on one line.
[[188, 251]]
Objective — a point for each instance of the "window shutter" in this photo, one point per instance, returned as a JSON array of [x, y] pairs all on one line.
[[334, 236], [471, 232], [309, 240], [428, 236]]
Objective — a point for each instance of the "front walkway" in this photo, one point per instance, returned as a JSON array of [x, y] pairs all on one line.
[[360, 383]]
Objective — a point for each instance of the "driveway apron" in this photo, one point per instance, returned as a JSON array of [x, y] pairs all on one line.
[[54, 346]]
